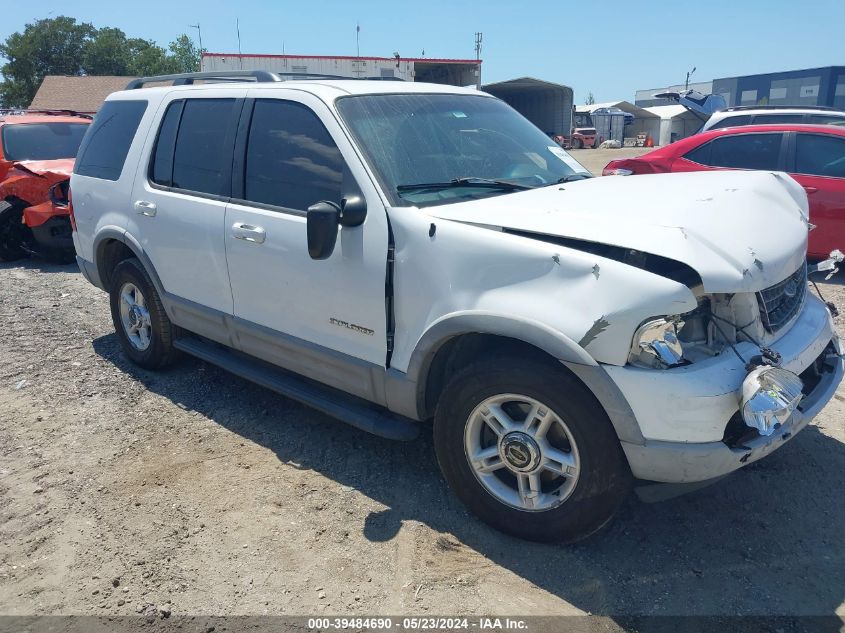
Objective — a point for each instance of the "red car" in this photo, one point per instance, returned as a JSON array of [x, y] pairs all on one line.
[[37, 151], [812, 154]]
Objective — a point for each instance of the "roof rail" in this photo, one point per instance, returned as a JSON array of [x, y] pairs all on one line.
[[52, 112], [781, 107], [258, 76]]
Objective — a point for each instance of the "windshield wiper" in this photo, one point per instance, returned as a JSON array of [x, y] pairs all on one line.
[[467, 181], [573, 177]]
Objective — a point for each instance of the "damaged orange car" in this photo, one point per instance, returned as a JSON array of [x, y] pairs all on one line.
[[37, 151]]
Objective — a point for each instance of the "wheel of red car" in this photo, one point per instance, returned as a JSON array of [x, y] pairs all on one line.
[[577, 143], [12, 231]]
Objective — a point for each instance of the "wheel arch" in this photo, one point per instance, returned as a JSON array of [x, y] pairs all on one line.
[[456, 341], [113, 245]]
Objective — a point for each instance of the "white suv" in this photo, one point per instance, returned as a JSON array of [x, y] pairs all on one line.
[[392, 253], [770, 115]]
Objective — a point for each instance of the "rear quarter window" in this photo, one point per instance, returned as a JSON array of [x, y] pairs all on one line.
[[106, 144]]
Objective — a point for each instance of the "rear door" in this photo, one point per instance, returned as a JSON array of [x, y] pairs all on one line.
[[818, 164], [180, 195], [761, 150]]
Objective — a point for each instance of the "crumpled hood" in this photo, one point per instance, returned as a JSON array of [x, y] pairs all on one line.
[[740, 230], [30, 180]]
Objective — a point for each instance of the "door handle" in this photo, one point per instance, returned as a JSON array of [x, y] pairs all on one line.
[[248, 233], [811, 190], [145, 208]]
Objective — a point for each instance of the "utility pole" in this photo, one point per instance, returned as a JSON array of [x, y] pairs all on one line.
[[478, 38], [240, 55], [689, 74], [199, 33]]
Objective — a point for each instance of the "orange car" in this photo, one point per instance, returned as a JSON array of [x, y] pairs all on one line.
[[37, 150]]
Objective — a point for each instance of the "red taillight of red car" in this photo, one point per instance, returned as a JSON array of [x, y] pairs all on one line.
[[616, 171]]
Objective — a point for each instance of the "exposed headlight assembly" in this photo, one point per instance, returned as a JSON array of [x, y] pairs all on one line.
[[656, 344], [769, 396]]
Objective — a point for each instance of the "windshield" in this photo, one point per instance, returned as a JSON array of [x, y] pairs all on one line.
[[42, 141], [583, 119], [431, 149]]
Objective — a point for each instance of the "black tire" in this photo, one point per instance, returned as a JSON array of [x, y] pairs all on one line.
[[12, 232], [604, 480], [577, 144], [160, 352]]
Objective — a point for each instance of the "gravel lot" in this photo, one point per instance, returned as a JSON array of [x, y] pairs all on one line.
[[192, 491]]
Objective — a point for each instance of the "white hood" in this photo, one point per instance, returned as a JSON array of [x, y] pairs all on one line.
[[740, 230]]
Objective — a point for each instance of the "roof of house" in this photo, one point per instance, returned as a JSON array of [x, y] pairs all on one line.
[[82, 94]]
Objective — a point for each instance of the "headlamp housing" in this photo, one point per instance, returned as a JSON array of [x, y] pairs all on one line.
[[656, 344]]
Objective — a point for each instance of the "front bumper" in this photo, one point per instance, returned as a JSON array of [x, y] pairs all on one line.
[[683, 412]]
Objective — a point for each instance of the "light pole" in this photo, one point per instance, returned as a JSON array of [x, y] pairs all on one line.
[[199, 34], [689, 74]]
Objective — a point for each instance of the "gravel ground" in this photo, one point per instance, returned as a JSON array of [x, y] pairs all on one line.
[[125, 491]]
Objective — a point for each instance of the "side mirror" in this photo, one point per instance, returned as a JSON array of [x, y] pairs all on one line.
[[323, 220], [353, 211]]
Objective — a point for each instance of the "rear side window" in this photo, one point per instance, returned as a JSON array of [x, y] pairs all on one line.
[[826, 119], [740, 151], [291, 160], [731, 121], [819, 155], [106, 143], [777, 119], [162, 164], [193, 150]]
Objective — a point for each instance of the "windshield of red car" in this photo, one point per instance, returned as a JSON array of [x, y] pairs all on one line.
[[42, 141]]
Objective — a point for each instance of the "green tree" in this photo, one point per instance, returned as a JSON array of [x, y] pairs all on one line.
[[52, 46], [185, 55], [107, 53], [590, 99], [148, 58]]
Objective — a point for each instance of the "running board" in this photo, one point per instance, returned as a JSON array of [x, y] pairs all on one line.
[[337, 404]]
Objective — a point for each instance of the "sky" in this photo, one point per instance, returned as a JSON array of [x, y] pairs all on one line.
[[610, 48]]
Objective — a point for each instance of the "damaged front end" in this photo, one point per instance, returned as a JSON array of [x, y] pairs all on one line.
[[36, 195]]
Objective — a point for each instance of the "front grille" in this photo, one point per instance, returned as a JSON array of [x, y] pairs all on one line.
[[779, 303]]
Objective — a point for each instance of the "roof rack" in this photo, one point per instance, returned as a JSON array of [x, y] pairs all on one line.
[[781, 107], [53, 112], [257, 76]]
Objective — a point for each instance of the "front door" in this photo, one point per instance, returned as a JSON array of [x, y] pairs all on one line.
[[312, 316]]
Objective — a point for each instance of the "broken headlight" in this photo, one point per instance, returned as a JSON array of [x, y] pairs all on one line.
[[656, 344], [769, 396]]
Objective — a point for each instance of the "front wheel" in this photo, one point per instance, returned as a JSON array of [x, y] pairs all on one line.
[[529, 450]]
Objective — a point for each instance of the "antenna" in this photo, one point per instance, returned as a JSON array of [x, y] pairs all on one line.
[[240, 55]]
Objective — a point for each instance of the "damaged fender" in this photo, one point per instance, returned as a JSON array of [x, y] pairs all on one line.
[[584, 308]]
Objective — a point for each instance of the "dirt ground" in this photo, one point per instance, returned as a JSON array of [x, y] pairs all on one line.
[[192, 491]]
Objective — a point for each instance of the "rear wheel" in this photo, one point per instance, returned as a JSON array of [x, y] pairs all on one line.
[[577, 144], [142, 326], [13, 232], [528, 449]]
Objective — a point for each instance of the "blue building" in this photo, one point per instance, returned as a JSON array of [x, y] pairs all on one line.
[[812, 86], [808, 87]]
